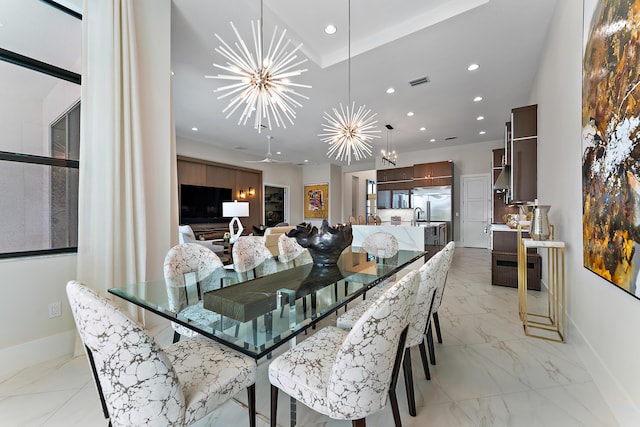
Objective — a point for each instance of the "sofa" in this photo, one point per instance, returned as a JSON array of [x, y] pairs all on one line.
[[271, 236]]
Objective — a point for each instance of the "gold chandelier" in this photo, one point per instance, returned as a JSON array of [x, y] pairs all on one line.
[[349, 131], [261, 84]]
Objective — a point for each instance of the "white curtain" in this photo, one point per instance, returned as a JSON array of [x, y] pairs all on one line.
[[128, 191]]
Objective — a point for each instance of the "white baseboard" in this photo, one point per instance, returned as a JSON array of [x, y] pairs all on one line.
[[13, 359], [620, 403]]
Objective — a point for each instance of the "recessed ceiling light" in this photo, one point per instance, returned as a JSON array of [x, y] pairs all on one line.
[[278, 152], [482, 132], [194, 129], [306, 161], [480, 118], [477, 99], [473, 67], [391, 90], [330, 29], [432, 140], [423, 128], [410, 114]]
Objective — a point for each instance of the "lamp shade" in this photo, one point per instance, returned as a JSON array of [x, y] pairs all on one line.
[[235, 209]]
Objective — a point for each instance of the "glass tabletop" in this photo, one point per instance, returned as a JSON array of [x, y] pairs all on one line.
[[255, 312]]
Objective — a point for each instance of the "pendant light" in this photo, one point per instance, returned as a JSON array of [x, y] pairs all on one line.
[[260, 83], [349, 132]]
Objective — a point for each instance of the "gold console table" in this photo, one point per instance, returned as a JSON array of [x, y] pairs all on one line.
[[552, 324]]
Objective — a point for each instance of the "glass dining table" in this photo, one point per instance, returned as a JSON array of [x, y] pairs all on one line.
[[258, 311]]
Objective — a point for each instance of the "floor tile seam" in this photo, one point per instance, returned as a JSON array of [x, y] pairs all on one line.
[[40, 392]]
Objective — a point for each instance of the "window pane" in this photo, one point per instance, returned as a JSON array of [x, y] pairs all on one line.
[[30, 103], [33, 28], [38, 207]]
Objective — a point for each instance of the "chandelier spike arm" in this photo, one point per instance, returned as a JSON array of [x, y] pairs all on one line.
[[242, 48], [236, 60], [257, 43], [277, 52]]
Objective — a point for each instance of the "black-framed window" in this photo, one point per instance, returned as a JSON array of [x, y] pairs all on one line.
[[40, 60]]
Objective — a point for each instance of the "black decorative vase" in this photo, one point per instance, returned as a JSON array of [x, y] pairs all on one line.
[[325, 245]]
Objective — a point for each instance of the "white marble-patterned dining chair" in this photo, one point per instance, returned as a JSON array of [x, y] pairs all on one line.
[[207, 271], [381, 244], [447, 251], [420, 314], [250, 255], [290, 250], [141, 384], [347, 375]]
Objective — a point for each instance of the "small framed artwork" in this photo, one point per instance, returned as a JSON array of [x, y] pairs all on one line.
[[316, 201]]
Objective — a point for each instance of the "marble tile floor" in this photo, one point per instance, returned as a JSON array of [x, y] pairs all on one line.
[[488, 373]]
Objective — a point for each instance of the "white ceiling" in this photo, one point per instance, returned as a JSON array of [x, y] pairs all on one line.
[[391, 44]]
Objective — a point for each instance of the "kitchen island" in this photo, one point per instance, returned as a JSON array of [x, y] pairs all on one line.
[[410, 237]]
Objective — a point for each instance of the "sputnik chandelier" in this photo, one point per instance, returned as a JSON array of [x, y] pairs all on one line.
[[349, 131], [261, 83]]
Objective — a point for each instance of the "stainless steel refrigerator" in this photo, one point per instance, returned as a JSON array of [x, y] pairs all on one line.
[[435, 203]]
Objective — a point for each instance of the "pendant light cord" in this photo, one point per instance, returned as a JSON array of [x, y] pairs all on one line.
[[349, 55], [261, 35]]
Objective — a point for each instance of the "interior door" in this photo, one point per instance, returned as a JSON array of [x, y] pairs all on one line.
[[476, 202]]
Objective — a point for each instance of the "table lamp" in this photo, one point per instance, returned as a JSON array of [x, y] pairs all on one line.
[[235, 209]]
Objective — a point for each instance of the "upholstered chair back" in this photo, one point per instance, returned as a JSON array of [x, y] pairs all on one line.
[[185, 231], [190, 258], [364, 363], [207, 271], [288, 248], [447, 254], [250, 253], [421, 311], [139, 384], [381, 244]]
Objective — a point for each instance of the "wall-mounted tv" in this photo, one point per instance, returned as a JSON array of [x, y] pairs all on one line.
[[200, 205]]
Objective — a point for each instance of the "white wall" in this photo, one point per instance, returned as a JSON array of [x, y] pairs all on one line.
[[347, 191], [272, 173], [603, 320], [27, 335]]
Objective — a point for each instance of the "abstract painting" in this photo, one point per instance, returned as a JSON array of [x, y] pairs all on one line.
[[316, 201], [611, 142]]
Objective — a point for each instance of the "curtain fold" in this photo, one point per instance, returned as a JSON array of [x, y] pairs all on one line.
[[127, 218]]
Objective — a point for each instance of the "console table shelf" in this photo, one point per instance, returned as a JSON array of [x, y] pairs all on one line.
[[552, 324]]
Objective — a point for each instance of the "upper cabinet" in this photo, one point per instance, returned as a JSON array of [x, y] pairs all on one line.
[[522, 150], [433, 174], [395, 174]]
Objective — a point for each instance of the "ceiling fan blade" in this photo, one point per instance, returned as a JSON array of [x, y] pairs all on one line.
[[269, 158]]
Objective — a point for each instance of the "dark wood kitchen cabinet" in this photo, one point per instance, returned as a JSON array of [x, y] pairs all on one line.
[[523, 155]]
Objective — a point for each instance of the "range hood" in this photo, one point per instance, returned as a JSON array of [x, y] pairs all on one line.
[[502, 183]]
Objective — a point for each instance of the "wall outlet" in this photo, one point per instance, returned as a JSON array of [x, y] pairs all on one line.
[[54, 309]]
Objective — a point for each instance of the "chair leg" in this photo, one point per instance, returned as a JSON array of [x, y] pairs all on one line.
[[432, 350], [408, 382], [176, 337], [274, 405], [425, 362], [359, 423], [251, 397], [94, 371], [394, 378], [436, 322]]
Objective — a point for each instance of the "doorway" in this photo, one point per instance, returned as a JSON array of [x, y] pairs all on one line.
[[276, 205], [476, 211]]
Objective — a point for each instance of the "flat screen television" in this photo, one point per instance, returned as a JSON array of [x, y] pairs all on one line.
[[201, 205]]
